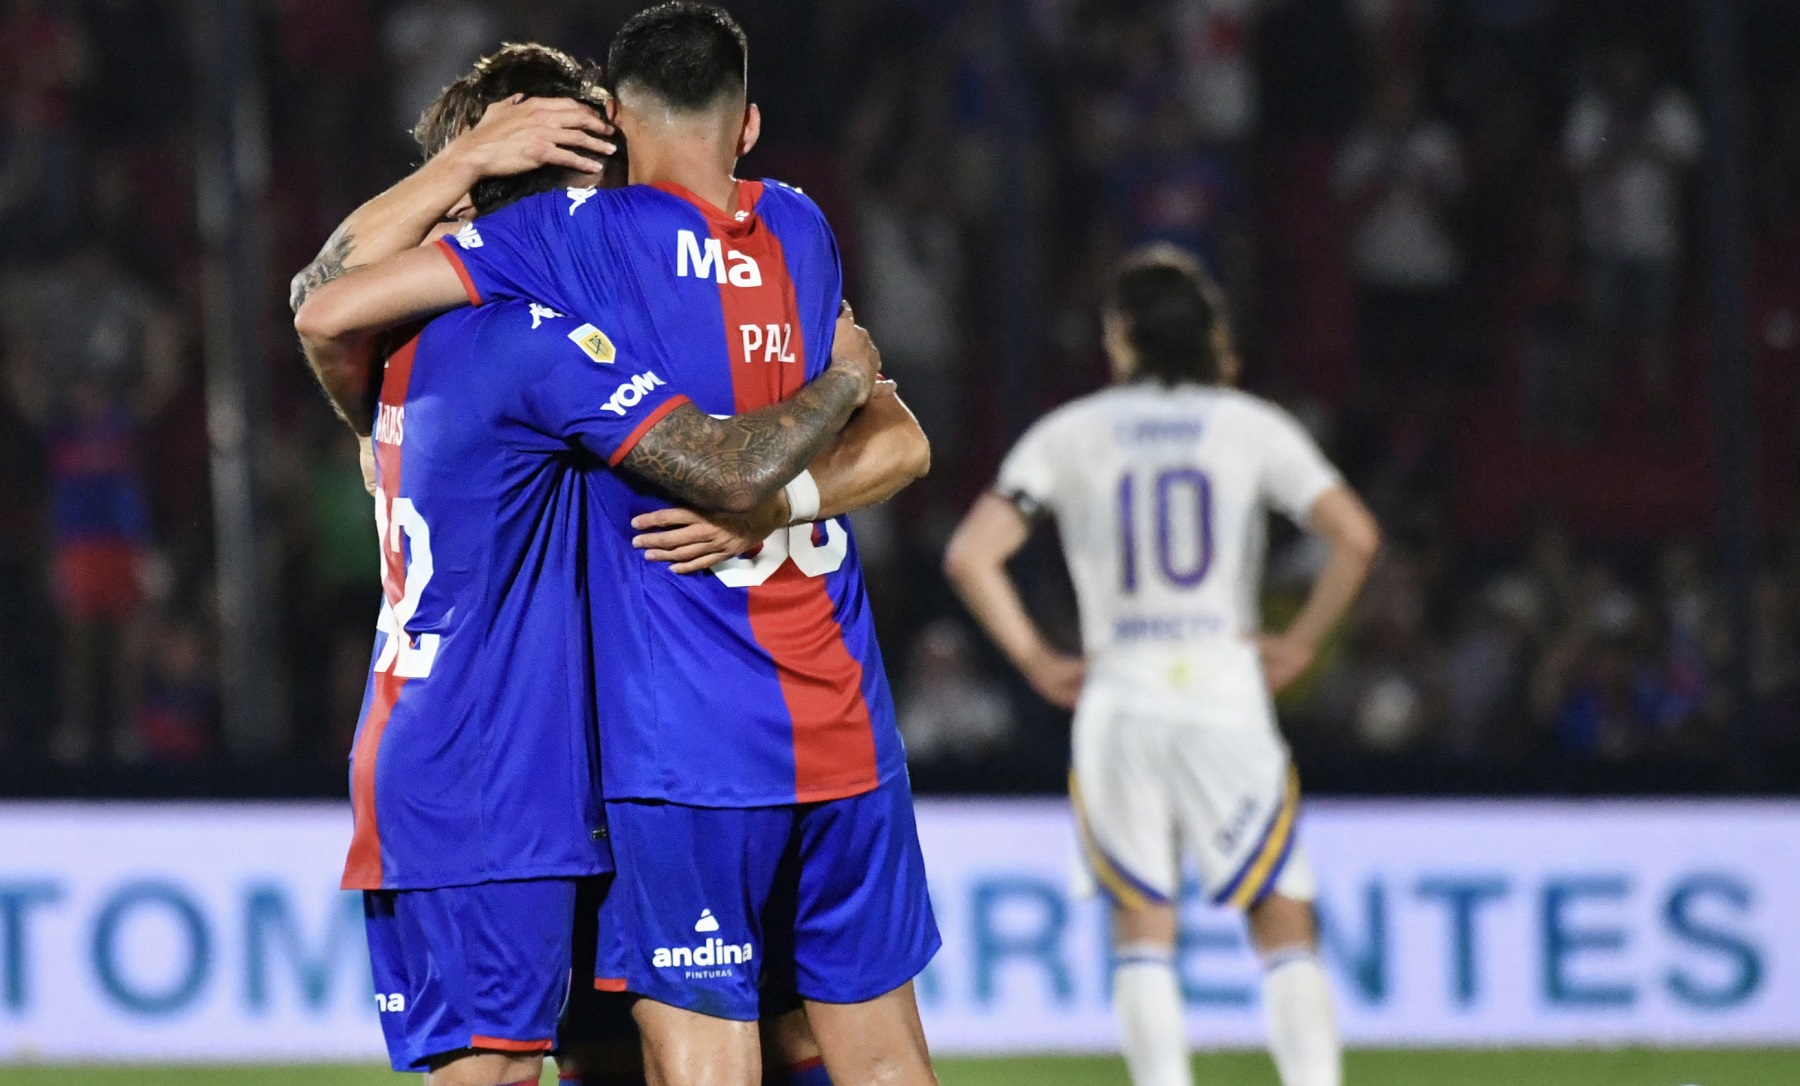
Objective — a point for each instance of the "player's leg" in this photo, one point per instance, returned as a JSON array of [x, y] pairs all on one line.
[[862, 930], [1303, 1036], [1124, 818], [1238, 799], [485, 1069], [791, 1055], [1147, 995], [879, 1040], [597, 1043], [470, 980], [682, 928], [687, 1048]]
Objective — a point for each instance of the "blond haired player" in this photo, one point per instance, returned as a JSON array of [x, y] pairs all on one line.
[[1159, 486]]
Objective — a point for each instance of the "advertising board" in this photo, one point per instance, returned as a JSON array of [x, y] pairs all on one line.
[[197, 932]]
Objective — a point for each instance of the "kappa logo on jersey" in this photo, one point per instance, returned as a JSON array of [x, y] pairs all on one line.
[[713, 261], [626, 397], [577, 197], [390, 424], [593, 341], [772, 340], [468, 237], [386, 1003], [706, 959], [539, 312]]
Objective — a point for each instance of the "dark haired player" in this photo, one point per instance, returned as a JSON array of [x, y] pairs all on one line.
[[754, 778], [475, 791], [1160, 486]]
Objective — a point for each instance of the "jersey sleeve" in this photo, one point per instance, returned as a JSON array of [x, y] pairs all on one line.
[[1294, 471], [523, 251], [1029, 474], [575, 385]]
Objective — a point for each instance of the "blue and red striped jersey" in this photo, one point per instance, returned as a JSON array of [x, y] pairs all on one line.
[[476, 757], [758, 682]]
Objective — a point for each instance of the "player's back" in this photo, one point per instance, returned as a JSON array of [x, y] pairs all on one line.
[[758, 682], [1160, 495], [476, 756]]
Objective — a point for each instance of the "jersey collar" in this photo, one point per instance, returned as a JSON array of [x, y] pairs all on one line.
[[748, 193]]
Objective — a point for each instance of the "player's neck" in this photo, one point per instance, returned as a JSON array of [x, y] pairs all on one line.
[[706, 175]]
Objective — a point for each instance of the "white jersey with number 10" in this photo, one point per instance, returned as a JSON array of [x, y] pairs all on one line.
[[1160, 496]]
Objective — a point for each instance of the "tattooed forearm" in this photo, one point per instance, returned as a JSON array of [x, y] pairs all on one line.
[[734, 464], [328, 265]]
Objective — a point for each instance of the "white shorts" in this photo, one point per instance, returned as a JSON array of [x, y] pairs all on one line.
[[1206, 774]]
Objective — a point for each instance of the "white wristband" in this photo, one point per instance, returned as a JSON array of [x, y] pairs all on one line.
[[803, 498]]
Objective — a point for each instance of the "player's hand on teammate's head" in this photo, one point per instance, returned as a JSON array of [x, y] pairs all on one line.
[[854, 348], [520, 134], [1284, 659], [1057, 677]]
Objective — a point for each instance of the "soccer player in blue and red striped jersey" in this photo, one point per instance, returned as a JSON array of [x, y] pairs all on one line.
[[754, 780], [475, 795]]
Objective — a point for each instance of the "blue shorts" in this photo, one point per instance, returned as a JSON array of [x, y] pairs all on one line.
[[731, 911], [483, 966]]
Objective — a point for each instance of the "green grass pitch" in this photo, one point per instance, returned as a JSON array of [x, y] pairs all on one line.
[[1492, 1067]]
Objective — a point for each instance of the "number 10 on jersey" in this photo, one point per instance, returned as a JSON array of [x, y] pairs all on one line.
[[1178, 497]]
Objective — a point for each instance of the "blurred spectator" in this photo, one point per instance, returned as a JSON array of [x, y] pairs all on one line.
[[1488, 668], [1387, 688], [429, 45], [911, 283], [1399, 173], [332, 537], [1212, 41], [177, 713], [949, 712], [1631, 140], [1177, 190], [1561, 381], [90, 355], [1395, 33], [43, 63]]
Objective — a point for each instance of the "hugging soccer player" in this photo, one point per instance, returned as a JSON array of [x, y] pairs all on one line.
[[753, 775]]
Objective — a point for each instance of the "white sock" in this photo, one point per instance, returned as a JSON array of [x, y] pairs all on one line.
[[1303, 1035], [1148, 998]]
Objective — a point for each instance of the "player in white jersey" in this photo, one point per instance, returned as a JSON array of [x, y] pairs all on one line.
[[1160, 487]]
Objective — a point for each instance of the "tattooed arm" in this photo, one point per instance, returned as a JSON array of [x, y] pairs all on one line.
[[736, 464], [877, 455]]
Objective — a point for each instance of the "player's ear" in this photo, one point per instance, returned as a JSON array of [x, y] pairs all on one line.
[[752, 129]]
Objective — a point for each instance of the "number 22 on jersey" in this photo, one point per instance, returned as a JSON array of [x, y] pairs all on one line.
[[405, 547], [1180, 502]]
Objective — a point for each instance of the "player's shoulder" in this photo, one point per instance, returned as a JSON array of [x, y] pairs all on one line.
[[780, 194], [577, 208], [789, 208], [1236, 404], [518, 340], [1063, 424]]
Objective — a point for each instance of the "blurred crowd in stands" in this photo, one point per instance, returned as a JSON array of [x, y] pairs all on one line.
[[1463, 239]]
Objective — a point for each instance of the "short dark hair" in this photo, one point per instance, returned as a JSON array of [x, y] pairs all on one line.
[[684, 53], [535, 71], [1172, 310]]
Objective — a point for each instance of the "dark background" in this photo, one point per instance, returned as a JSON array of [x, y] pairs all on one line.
[[1527, 268]]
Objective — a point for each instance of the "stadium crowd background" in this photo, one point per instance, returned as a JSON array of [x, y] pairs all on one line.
[[1462, 237]]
